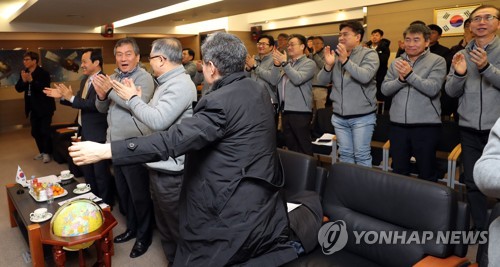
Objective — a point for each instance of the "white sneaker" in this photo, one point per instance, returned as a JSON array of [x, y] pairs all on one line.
[[38, 157], [46, 158]]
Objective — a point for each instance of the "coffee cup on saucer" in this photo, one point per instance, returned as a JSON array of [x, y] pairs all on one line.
[[82, 187], [65, 174], [38, 214]]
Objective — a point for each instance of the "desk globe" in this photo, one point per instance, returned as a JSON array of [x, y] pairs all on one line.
[[75, 218]]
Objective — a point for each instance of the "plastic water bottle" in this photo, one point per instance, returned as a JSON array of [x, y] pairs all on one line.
[[30, 183], [50, 194]]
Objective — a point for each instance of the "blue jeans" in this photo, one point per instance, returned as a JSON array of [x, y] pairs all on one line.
[[353, 137]]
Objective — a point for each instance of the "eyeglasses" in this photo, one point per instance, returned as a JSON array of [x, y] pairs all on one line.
[[291, 44], [152, 57], [262, 44], [488, 18]]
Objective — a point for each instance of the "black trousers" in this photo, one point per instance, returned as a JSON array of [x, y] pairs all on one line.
[[98, 175], [418, 141], [472, 148], [297, 133], [40, 130], [132, 183], [165, 191]]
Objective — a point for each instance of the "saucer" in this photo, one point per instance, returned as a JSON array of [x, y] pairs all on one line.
[[47, 216], [67, 178], [78, 191]]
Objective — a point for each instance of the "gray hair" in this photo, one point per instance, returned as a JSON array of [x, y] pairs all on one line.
[[130, 41], [226, 51], [418, 28], [170, 48]]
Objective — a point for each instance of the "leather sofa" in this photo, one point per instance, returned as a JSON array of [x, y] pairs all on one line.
[[301, 172], [371, 200]]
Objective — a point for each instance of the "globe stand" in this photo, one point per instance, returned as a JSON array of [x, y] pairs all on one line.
[[103, 237]]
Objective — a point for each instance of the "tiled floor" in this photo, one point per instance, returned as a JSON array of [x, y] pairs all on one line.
[[18, 148]]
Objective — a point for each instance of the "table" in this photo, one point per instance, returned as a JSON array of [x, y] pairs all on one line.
[[21, 204]]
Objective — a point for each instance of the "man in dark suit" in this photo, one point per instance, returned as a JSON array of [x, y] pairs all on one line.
[[37, 106], [93, 123]]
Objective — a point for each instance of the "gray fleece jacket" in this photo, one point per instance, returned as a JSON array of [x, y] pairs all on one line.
[[121, 123], [487, 178], [172, 101], [354, 85], [416, 101], [263, 74], [296, 88], [478, 92]]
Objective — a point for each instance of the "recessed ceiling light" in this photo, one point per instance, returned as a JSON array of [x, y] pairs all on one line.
[[11, 8], [164, 11]]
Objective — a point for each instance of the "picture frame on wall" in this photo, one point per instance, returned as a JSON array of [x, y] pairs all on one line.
[[451, 20], [11, 64], [63, 64]]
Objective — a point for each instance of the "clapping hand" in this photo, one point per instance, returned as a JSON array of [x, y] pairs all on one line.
[[26, 76], [279, 57], [459, 64], [342, 53], [403, 68], [102, 85], [329, 58], [59, 91], [479, 57], [249, 62], [127, 89]]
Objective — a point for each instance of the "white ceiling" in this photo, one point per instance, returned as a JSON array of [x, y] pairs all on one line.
[[94, 13], [84, 17]]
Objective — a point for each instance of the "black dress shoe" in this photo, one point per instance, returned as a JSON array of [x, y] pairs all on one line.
[[139, 249], [129, 234]]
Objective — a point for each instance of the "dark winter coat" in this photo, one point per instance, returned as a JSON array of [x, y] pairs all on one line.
[[231, 211]]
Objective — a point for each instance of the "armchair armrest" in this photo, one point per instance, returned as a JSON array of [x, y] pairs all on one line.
[[385, 155], [452, 261], [452, 161], [455, 153], [334, 149]]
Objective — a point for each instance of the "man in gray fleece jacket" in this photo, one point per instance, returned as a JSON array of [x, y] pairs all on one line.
[[414, 81], [132, 181], [294, 81], [352, 73], [475, 78], [171, 102], [487, 178]]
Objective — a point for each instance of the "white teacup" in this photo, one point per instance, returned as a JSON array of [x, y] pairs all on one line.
[[38, 214], [82, 186], [65, 174]]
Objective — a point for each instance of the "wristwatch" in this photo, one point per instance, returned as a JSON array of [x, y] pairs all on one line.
[[284, 63]]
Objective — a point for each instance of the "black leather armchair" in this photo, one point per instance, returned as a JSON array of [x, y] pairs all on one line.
[[301, 172], [372, 200]]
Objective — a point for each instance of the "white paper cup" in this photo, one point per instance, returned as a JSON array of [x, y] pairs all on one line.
[[38, 213]]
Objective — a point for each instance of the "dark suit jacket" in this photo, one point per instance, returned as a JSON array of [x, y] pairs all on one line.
[[94, 123], [38, 102]]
